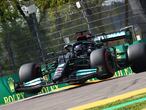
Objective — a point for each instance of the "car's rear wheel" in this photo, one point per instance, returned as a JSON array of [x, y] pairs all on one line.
[[137, 57], [103, 61], [28, 72]]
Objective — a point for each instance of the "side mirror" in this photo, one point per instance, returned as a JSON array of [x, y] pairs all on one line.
[[68, 47]]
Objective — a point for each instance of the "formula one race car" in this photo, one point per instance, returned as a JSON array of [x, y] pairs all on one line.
[[90, 57]]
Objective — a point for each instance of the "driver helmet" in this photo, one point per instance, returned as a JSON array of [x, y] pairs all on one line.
[[78, 50]]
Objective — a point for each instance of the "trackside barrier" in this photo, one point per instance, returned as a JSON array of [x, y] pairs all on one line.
[[8, 93]]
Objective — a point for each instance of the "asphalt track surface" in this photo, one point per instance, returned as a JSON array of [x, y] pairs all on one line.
[[82, 95]]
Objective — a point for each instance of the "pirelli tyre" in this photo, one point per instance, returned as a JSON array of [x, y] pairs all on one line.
[[28, 72], [102, 58], [137, 57]]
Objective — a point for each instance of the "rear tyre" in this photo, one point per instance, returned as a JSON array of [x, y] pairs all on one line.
[[28, 72], [102, 59], [137, 57]]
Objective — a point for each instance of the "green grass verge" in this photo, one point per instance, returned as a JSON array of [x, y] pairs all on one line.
[[135, 106]]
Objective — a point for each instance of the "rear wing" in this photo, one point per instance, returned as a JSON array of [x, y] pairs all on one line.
[[104, 37]]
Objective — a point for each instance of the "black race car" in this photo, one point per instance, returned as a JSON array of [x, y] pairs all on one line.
[[89, 57]]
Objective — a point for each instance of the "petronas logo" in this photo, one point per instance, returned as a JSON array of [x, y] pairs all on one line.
[[11, 84]]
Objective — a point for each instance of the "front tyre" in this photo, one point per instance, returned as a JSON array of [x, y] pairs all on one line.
[[28, 72]]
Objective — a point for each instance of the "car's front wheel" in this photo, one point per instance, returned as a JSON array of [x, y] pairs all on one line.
[[28, 72]]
